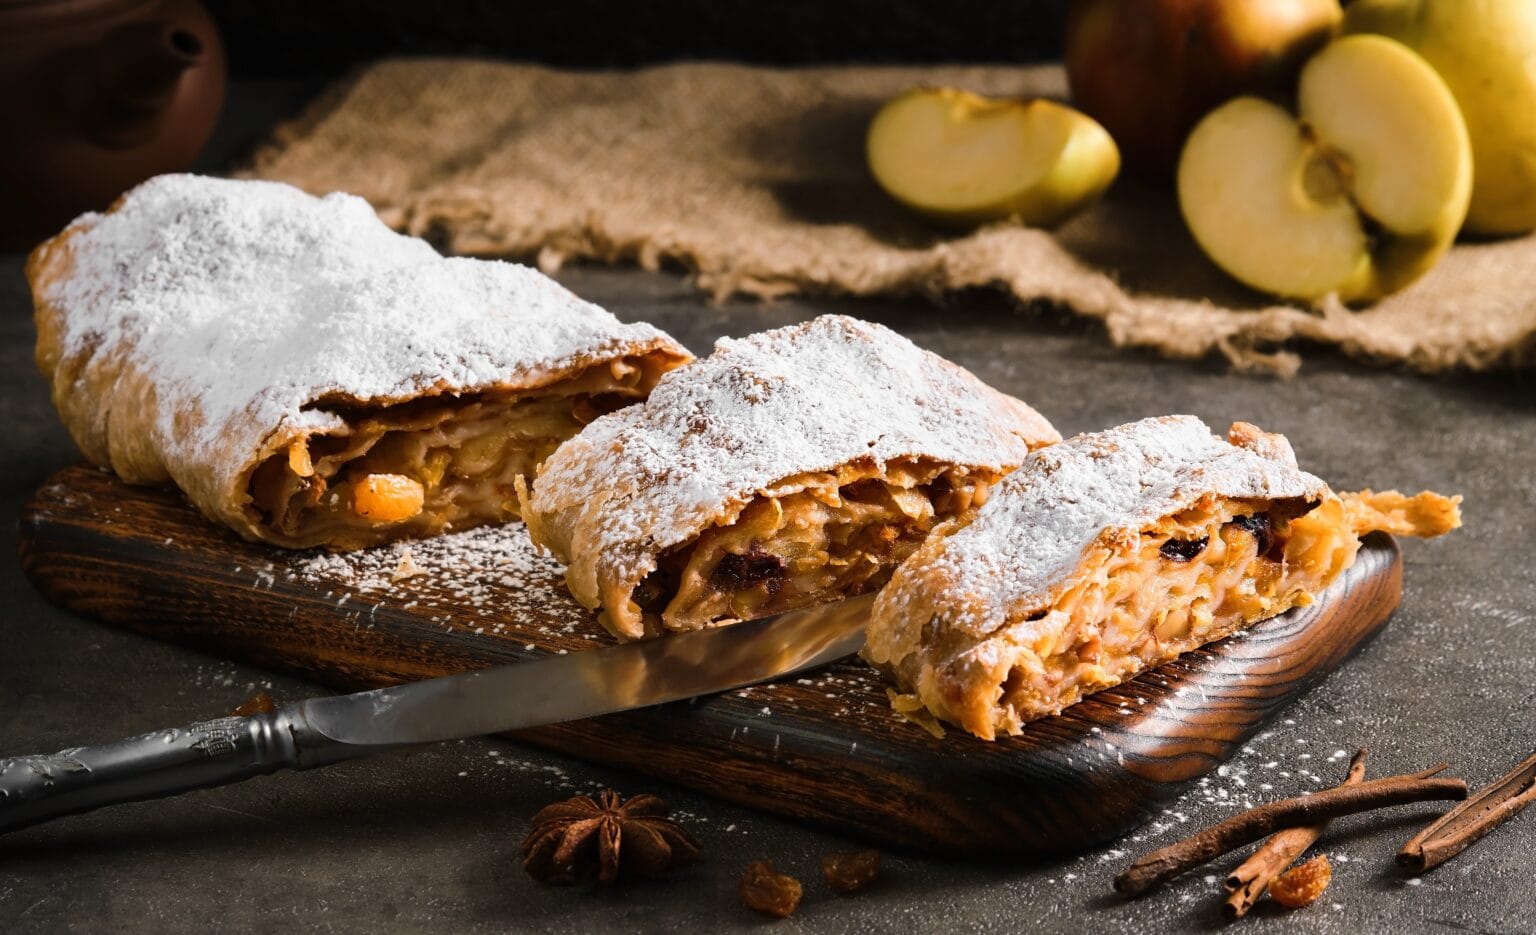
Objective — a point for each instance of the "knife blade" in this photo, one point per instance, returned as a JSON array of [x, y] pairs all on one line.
[[321, 731]]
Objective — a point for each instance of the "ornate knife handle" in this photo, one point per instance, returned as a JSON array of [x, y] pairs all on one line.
[[34, 789]]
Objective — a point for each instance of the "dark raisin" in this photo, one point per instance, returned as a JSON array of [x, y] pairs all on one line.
[[1182, 550], [654, 591], [587, 408], [1259, 524], [864, 491], [738, 572]]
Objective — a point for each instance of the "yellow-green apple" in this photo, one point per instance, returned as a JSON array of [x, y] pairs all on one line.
[[1359, 192], [1148, 70], [959, 158], [1486, 52]]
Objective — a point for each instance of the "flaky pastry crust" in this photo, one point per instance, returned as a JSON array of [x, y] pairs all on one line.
[[790, 467], [309, 377], [1111, 553]]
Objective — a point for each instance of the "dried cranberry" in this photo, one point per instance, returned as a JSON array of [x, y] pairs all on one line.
[[1182, 550]]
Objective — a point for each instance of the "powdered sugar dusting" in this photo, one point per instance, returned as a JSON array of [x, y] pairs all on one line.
[[1032, 533], [243, 303], [495, 568], [759, 411]]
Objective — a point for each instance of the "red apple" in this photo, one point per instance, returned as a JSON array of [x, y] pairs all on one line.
[[1148, 70]]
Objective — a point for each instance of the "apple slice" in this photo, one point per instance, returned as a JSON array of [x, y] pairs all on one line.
[[1361, 195], [960, 158]]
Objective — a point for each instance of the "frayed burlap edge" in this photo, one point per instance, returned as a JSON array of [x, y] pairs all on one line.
[[684, 164]]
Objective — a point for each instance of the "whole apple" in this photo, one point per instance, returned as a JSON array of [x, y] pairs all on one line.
[[1486, 52], [1148, 70]]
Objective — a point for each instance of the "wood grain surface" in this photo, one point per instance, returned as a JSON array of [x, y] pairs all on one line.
[[823, 747]]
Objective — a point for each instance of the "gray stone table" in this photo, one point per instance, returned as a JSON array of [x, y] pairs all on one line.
[[430, 839]]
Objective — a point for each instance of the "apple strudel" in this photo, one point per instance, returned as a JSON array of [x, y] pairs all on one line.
[[309, 377], [790, 467], [1111, 553]]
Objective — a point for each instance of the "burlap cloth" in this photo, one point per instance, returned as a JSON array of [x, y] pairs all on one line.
[[755, 180]]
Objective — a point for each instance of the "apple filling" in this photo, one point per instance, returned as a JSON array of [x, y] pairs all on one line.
[[1192, 578], [428, 466], [1113, 552], [1197, 577], [835, 535]]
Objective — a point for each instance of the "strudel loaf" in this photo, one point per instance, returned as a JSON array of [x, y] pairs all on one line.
[[309, 377]]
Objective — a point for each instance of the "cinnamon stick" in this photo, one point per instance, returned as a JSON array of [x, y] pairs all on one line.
[[1458, 828], [1247, 884], [1165, 864]]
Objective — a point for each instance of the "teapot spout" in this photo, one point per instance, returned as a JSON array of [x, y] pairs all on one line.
[[138, 69]]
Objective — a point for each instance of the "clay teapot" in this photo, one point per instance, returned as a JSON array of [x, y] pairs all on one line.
[[95, 97]]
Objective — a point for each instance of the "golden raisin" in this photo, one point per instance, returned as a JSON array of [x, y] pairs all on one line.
[[851, 871], [387, 498], [298, 459], [768, 891], [1303, 883]]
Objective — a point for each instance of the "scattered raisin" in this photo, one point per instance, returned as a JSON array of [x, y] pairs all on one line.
[[768, 891], [738, 572], [1259, 524], [1182, 550], [1303, 883], [851, 871]]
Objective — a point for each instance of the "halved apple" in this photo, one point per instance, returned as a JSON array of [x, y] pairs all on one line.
[[1361, 194], [1486, 52], [960, 158]]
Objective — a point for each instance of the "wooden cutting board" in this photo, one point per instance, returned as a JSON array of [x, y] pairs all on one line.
[[823, 747]]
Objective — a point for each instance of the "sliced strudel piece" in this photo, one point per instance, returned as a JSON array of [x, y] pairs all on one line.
[[790, 467], [310, 377], [1114, 552]]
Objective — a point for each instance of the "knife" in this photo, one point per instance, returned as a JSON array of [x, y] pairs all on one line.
[[322, 731]]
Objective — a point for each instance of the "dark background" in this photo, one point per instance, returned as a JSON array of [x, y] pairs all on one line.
[[318, 37], [428, 840]]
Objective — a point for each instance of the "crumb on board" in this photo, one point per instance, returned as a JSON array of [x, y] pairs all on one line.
[[406, 567]]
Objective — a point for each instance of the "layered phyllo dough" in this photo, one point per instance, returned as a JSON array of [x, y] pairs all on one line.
[[790, 467], [309, 377], [1111, 553]]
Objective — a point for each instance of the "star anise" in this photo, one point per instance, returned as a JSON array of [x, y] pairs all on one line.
[[574, 840]]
